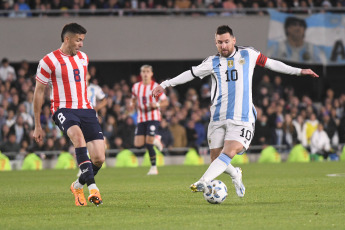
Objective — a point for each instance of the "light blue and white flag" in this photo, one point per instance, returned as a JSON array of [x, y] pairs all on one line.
[[317, 39]]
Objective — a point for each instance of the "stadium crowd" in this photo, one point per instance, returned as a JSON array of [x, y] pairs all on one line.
[[19, 8], [282, 117]]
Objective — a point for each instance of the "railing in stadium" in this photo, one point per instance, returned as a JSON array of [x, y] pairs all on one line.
[[174, 151], [167, 12]]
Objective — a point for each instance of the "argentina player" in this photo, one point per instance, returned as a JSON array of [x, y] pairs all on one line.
[[233, 114]]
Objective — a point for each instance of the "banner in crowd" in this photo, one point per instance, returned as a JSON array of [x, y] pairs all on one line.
[[317, 39]]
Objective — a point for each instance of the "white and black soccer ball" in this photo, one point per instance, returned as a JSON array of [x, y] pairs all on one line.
[[215, 192]]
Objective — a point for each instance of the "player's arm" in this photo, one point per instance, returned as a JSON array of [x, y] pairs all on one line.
[[178, 80], [38, 102], [101, 104], [161, 103], [281, 67]]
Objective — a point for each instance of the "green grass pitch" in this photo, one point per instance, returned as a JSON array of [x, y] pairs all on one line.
[[278, 196]]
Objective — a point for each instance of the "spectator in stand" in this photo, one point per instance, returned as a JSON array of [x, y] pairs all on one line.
[[11, 118], [199, 129], [263, 131], [192, 135], [7, 72], [298, 123], [179, 133], [320, 143], [110, 128], [27, 118], [10, 145], [289, 132], [126, 132], [165, 133], [330, 128], [309, 128]]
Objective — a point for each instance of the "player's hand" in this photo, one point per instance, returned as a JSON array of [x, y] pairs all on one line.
[[308, 72], [38, 134], [157, 91]]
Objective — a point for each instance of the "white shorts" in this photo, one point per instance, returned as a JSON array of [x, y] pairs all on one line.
[[219, 131]]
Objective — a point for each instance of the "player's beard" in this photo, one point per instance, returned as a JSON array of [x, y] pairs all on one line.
[[225, 53]]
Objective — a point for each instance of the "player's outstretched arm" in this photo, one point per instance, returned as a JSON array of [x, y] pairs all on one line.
[[178, 80], [38, 102], [281, 67]]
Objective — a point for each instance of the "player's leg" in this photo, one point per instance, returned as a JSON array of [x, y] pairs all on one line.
[[152, 153], [215, 136], [97, 154], [139, 141], [151, 129], [139, 138], [84, 163], [69, 123], [95, 145]]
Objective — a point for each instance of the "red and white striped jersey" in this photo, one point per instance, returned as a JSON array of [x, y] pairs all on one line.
[[143, 94], [66, 76]]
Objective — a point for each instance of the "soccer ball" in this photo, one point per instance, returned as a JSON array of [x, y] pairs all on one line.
[[215, 192]]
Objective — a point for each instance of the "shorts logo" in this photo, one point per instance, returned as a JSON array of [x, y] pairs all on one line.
[[61, 118], [230, 63], [152, 128]]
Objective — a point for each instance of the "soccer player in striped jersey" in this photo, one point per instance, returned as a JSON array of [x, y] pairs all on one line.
[[149, 115], [233, 114], [64, 70]]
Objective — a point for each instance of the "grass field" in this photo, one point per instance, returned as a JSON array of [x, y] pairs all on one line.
[[278, 196]]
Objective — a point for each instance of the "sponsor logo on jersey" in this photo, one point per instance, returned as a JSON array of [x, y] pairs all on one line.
[[230, 63]]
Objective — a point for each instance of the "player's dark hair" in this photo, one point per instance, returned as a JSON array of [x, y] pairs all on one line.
[[294, 21], [73, 28], [224, 29]]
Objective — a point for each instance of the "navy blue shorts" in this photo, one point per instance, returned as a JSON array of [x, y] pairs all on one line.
[[86, 119], [147, 128]]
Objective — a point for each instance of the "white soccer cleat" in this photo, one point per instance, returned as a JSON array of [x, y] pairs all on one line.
[[237, 181], [153, 171], [158, 143], [198, 186]]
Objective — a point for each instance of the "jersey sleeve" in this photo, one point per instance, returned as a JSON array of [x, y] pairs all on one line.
[[202, 70], [133, 91], [44, 70], [261, 60], [100, 94]]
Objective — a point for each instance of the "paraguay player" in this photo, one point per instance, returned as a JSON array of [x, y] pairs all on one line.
[[149, 115], [64, 70], [233, 115]]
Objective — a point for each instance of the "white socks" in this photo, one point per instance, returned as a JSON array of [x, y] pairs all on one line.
[[92, 186], [77, 185], [231, 171], [217, 167]]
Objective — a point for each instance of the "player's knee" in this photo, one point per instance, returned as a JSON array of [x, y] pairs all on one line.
[[139, 145], [98, 160]]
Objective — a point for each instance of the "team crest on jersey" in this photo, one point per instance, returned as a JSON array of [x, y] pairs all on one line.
[[242, 61], [230, 63], [83, 61]]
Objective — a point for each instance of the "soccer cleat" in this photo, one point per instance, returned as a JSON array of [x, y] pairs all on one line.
[[153, 171], [78, 195], [237, 181], [198, 186], [95, 197], [158, 143]]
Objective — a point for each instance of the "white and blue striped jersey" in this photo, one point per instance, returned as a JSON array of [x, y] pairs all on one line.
[[95, 93], [231, 84]]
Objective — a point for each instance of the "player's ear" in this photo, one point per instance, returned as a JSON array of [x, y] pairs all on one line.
[[234, 40]]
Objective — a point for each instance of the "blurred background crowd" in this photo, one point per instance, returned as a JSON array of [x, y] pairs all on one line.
[[283, 117], [40, 8]]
